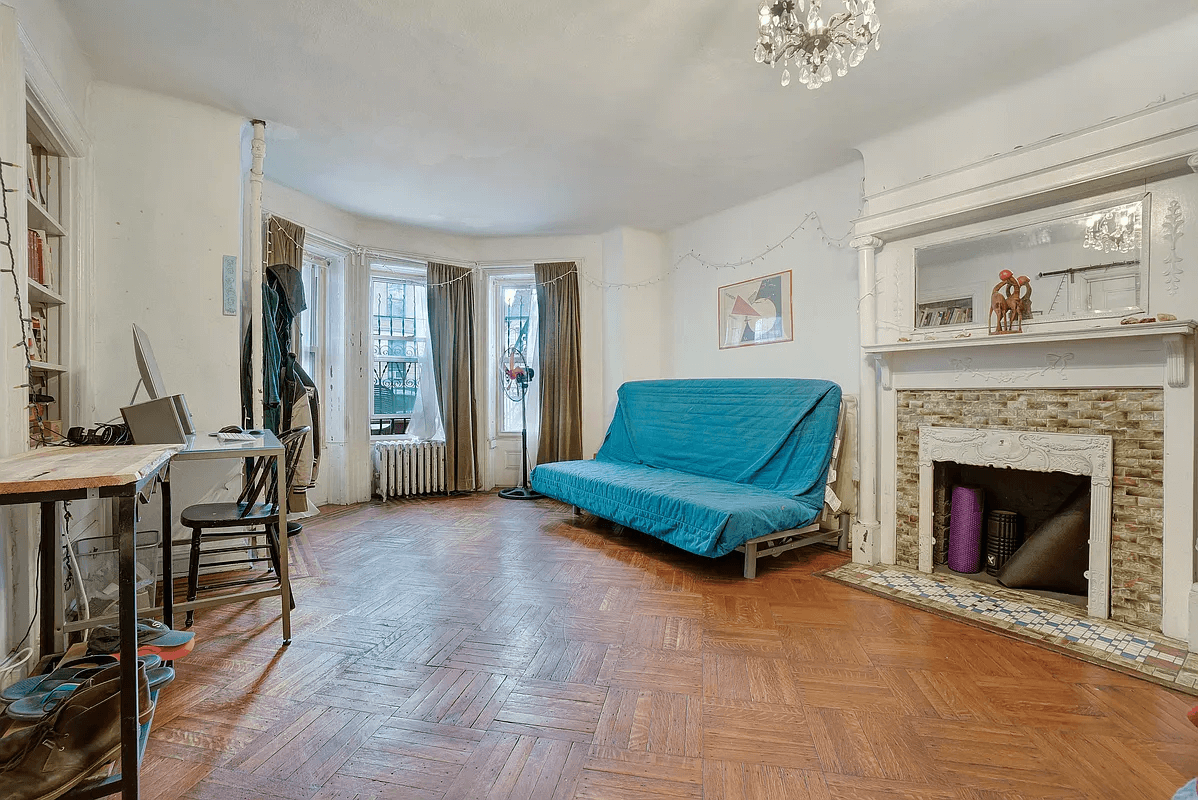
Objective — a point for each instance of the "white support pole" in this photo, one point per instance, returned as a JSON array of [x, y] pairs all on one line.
[[258, 155], [867, 529]]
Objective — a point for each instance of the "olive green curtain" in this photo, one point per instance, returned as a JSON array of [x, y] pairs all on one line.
[[284, 244], [451, 340], [560, 357]]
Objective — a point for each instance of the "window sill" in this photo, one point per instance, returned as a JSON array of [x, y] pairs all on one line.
[[402, 437]]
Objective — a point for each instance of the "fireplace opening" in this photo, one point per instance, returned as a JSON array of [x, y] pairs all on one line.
[[999, 509]]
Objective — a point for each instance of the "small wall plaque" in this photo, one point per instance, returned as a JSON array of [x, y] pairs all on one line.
[[229, 291]]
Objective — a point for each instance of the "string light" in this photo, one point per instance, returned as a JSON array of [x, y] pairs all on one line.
[[838, 243]]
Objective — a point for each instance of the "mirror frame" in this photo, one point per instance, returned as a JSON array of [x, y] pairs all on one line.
[[1014, 222]]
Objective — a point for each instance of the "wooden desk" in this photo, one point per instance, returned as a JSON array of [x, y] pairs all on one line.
[[51, 475]]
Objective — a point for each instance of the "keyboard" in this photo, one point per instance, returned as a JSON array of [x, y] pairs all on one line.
[[224, 438]]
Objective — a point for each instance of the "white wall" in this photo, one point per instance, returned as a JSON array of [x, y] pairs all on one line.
[[415, 242], [314, 215], [168, 181], [633, 317], [824, 284], [168, 187], [1114, 82], [53, 44]]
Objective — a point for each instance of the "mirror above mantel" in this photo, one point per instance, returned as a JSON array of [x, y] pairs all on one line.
[[1082, 264]]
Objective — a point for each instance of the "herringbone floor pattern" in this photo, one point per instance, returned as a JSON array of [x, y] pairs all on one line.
[[481, 648]]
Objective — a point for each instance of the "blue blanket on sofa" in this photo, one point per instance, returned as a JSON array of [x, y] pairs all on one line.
[[707, 464]]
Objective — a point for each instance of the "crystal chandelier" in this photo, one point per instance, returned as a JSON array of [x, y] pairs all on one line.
[[814, 46], [1114, 230]]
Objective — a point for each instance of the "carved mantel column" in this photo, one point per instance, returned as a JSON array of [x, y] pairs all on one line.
[[867, 527]]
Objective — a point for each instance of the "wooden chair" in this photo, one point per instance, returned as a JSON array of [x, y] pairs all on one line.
[[247, 511]]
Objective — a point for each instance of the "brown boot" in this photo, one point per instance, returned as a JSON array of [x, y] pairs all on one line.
[[48, 760]]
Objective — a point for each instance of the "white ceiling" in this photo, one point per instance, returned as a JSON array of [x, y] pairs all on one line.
[[536, 117]]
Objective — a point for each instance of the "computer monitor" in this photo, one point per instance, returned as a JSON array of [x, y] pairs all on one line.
[[146, 365]]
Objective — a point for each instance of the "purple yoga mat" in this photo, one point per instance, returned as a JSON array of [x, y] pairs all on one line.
[[965, 530]]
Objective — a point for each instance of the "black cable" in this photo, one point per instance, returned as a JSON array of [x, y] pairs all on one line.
[[37, 596]]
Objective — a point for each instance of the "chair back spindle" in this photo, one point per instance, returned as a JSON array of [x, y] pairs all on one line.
[[261, 472]]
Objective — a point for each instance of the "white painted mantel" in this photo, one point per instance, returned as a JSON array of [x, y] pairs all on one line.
[[1150, 356], [1152, 151], [1076, 454]]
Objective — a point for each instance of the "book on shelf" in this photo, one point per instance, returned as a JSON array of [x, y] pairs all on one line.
[[48, 166], [35, 190], [41, 336], [37, 256], [40, 252]]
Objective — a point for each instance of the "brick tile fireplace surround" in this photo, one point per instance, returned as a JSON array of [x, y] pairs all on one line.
[[1135, 421]]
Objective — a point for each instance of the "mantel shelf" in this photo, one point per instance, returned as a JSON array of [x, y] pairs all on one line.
[[1181, 327]]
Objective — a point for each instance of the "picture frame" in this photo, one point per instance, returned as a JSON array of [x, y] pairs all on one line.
[[756, 311]]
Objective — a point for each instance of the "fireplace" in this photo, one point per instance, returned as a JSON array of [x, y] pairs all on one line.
[[1073, 454], [1036, 499], [1133, 420]]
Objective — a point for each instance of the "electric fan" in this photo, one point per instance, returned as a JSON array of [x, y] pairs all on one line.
[[516, 375]]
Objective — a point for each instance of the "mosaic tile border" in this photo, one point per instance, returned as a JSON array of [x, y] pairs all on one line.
[[1057, 625]]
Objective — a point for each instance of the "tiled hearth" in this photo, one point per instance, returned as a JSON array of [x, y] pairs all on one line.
[[1048, 622]]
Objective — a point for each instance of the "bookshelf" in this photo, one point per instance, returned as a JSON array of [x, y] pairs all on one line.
[[47, 198], [956, 311]]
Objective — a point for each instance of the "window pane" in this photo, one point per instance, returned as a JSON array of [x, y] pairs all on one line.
[[396, 372], [388, 427], [393, 307], [309, 324], [516, 310], [395, 384], [408, 349]]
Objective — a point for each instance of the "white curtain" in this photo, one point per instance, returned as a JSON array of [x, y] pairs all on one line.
[[426, 414], [534, 388]]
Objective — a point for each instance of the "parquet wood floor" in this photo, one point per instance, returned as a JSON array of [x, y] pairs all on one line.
[[480, 648]]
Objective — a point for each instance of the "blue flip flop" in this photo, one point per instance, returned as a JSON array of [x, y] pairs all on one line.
[[72, 670], [36, 706], [65, 672]]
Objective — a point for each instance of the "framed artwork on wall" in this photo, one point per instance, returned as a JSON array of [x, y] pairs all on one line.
[[756, 311]]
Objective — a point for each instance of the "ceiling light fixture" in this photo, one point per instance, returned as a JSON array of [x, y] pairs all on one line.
[[1116, 230], [814, 46]]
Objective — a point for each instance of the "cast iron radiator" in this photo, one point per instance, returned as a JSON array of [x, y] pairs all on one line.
[[407, 468]]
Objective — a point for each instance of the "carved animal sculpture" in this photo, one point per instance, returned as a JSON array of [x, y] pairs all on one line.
[[1019, 306], [998, 303], [1014, 311]]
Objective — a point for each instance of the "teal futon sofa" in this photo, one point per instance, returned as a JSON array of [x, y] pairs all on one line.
[[712, 465]]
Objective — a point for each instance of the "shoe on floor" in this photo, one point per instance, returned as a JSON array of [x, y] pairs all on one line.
[[49, 759], [153, 638]]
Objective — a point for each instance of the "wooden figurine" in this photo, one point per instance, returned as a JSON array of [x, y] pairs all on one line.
[[1025, 302], [999, 303]]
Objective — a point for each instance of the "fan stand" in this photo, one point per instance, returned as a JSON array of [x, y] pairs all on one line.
[[522, 492]]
